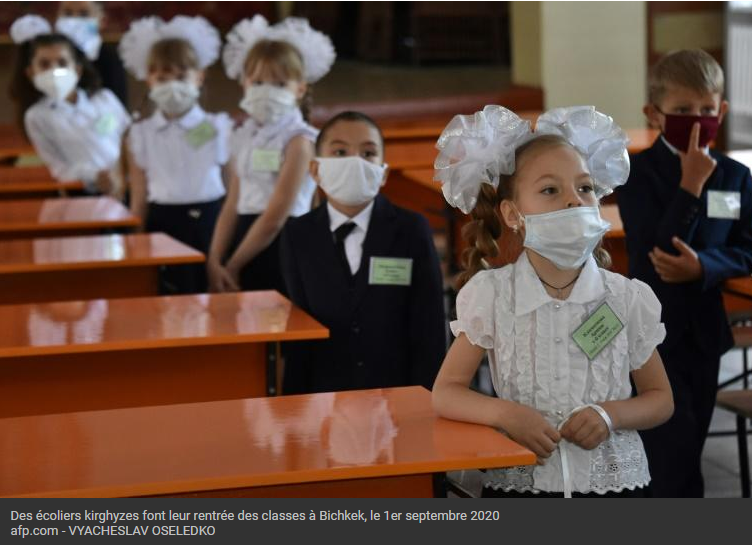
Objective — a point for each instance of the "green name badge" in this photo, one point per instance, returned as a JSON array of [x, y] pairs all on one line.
[[390, 271], [106, 124], [594, 334], [266, 160], [724, 204], [201, 134]]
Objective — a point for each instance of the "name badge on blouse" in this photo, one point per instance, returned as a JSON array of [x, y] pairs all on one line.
[[724, 204], [201, 134], [106, 124], [266, 160], [390, 271], [597, 331]]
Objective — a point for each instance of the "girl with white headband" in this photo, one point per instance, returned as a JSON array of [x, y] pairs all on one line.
[[76, 127], [562, 334], [176, 157], [270, 152]]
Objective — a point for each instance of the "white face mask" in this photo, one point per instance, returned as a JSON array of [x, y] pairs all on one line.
[[56, 83], [351, 181], [267, 103], [84, 31], [566, 237], [174, 97]]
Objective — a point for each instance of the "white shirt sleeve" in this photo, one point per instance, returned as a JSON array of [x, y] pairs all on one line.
[[224, 125], [644, 328], [60, 168], [475, 311]]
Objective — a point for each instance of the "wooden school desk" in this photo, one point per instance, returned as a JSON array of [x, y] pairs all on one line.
[[13, 143], [90, 267], [33, 182], [62, 217], [106, 354], [369, 443]]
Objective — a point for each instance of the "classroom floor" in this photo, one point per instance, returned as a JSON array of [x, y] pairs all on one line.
[[720, 461]]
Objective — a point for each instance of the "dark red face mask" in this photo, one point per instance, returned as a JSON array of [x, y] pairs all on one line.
[[679, 127]]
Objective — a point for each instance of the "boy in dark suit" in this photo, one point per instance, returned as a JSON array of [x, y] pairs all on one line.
[[687, 213], [364, 268]]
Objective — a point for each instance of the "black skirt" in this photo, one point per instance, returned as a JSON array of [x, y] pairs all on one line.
[[263, 272], [193, 225]]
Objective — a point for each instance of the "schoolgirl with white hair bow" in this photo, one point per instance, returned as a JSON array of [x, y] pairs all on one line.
[[74, 124], [176, 157], [270, 152], [563, 335]]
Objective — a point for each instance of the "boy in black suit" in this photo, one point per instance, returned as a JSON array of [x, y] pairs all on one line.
[[364, 268], [687, 213]]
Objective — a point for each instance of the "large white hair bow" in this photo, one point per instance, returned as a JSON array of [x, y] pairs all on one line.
[[315, 48], [29, 27], [136, 44], [479, 148]]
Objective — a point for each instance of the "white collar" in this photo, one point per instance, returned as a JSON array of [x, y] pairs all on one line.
[[529, 293], [188, 120], [361, 219], [82, 102], [672, 149]]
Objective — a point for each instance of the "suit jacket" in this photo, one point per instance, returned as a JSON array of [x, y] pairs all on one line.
[[654, 209], [381, 335], [111, 71]]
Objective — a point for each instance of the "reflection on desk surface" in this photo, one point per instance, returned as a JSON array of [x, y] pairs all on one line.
[[234, 444]]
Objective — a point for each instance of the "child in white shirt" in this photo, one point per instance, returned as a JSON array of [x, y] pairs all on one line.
[[177, 155], [76, 127], [563, 335]]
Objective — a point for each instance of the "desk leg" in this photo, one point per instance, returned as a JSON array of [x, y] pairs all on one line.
[[273, 369]]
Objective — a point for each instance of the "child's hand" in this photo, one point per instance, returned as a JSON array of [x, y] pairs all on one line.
[[586, 429], [528, 427], [220, 279], [103, 183], [674, 269], [696, 166]]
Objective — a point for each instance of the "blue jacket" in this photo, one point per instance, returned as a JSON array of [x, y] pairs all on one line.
[[654, 209], [380, 336]]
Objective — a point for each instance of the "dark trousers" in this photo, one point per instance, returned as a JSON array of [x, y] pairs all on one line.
[[674, 449], [264, 272], [489, 492], [193, 225]]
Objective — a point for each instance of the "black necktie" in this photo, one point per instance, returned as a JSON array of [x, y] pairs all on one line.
[[340, 234]]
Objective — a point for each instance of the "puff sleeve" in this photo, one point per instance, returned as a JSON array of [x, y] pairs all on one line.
[[475, 311], [644, 328]]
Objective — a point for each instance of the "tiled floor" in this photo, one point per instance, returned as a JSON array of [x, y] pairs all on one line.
[[720, 460]]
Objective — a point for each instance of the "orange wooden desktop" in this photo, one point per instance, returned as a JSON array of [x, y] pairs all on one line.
[[76, 268], [61, 217], [33, 182], [13, 143], [369, 443], [107, 354]]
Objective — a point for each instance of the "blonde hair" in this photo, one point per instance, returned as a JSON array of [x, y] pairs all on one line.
[[691, 68], [484, 231], [284, 60], [173, 52]]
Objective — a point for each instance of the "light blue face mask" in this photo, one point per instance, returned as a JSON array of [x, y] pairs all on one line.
[[566, 237]]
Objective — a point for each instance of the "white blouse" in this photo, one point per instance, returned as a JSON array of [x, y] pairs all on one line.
[[76, 141], [258, 152], [182, 158], [535, 362]]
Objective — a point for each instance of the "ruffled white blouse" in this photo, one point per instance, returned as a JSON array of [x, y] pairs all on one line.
[[534, 361]]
